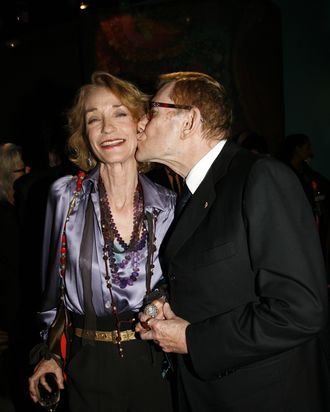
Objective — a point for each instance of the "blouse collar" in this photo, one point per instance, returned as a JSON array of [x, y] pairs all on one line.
[[153, 196]]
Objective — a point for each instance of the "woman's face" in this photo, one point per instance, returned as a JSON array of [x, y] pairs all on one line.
[[111, 128]]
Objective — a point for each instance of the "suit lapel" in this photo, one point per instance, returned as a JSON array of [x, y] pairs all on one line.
[[200, 203]]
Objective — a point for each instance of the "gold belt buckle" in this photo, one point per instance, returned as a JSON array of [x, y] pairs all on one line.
[[105, 336]]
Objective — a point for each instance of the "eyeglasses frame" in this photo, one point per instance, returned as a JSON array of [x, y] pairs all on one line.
[[167, 106], [171, 105]]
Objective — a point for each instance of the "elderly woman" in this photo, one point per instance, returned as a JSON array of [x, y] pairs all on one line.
[[108, 240]]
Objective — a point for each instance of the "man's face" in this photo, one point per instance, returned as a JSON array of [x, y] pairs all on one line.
[[160, 139]]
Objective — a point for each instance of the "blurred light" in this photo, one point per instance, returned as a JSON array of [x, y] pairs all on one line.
[[12, 44], [23, 17], [83, 5]]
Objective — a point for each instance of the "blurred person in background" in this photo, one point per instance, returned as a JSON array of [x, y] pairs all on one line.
[[253, 142], [11, 168], [297, 152]]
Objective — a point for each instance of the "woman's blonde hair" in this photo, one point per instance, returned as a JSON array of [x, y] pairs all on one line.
[[10, 160], [129, 95]]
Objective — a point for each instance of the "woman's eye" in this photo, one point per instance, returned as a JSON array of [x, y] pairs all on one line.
[[92, 120], [121, 114]]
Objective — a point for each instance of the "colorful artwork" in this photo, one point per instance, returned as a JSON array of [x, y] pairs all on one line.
[[166, 37]]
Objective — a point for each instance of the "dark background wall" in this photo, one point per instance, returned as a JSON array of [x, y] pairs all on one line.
[[272, 55], [306, 73]]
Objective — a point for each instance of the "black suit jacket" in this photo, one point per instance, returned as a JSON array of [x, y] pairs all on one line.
[[246, 269]]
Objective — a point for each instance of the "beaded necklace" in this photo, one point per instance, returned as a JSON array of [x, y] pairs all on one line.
[[112, 242], [63, 248], [119, 252]]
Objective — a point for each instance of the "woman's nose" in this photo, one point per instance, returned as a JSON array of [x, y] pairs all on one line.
[[107, 126]]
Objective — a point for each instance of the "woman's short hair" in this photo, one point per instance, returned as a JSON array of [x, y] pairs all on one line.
[[10, 161], [129, 95], [205, 93]]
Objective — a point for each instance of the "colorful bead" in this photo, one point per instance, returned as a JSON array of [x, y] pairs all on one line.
[[63, 249], [115, 244]]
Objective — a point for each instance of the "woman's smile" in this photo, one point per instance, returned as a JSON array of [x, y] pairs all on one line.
[[108, 144]]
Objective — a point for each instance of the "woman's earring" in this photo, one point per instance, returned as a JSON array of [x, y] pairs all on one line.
[[90, 159]]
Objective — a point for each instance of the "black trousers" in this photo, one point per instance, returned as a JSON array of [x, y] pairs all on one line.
[[100, 381]]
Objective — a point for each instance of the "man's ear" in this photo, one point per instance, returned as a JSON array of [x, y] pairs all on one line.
[[192, 122]]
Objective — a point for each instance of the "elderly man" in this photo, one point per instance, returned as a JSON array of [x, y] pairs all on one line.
[[247, 280]]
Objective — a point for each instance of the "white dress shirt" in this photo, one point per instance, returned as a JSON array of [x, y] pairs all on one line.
[[198, 172]]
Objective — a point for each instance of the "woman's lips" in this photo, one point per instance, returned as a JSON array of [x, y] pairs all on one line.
[[112, 143]]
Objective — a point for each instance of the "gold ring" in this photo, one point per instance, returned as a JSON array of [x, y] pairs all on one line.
[[145, 324]]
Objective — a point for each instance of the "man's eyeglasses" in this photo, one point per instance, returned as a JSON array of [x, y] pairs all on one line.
[[166, 106], [171, 105]]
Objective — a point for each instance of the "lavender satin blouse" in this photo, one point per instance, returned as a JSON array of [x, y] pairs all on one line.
[[156, 198]]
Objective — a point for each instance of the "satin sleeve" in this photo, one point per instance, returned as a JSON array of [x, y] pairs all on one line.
[[58, 201]]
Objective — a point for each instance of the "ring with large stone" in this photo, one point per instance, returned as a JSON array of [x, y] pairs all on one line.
[[151, 310]]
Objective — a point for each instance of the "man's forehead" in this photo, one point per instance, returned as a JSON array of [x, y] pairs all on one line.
[[163, 94]]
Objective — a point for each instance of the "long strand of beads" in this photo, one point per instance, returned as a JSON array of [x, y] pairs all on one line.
[[63, 248], [115, 244], [112, 231], [113, 305]]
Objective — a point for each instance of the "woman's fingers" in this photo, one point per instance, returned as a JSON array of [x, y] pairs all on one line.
[[43, 367]]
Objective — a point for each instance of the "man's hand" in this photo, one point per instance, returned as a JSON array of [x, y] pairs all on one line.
[[169, 334], [44, 367]]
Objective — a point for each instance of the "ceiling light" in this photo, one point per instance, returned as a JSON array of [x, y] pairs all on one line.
[[83, 5]]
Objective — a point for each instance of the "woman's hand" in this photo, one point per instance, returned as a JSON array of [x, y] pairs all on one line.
[[43, 367]]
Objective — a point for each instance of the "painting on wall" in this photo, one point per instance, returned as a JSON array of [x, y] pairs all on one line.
[[237, 42], [142, 42]]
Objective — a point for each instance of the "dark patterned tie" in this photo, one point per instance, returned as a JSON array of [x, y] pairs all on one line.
[[175, 180], [182, 200]]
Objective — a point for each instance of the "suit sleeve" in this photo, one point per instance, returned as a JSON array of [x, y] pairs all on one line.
[[290, 280]]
